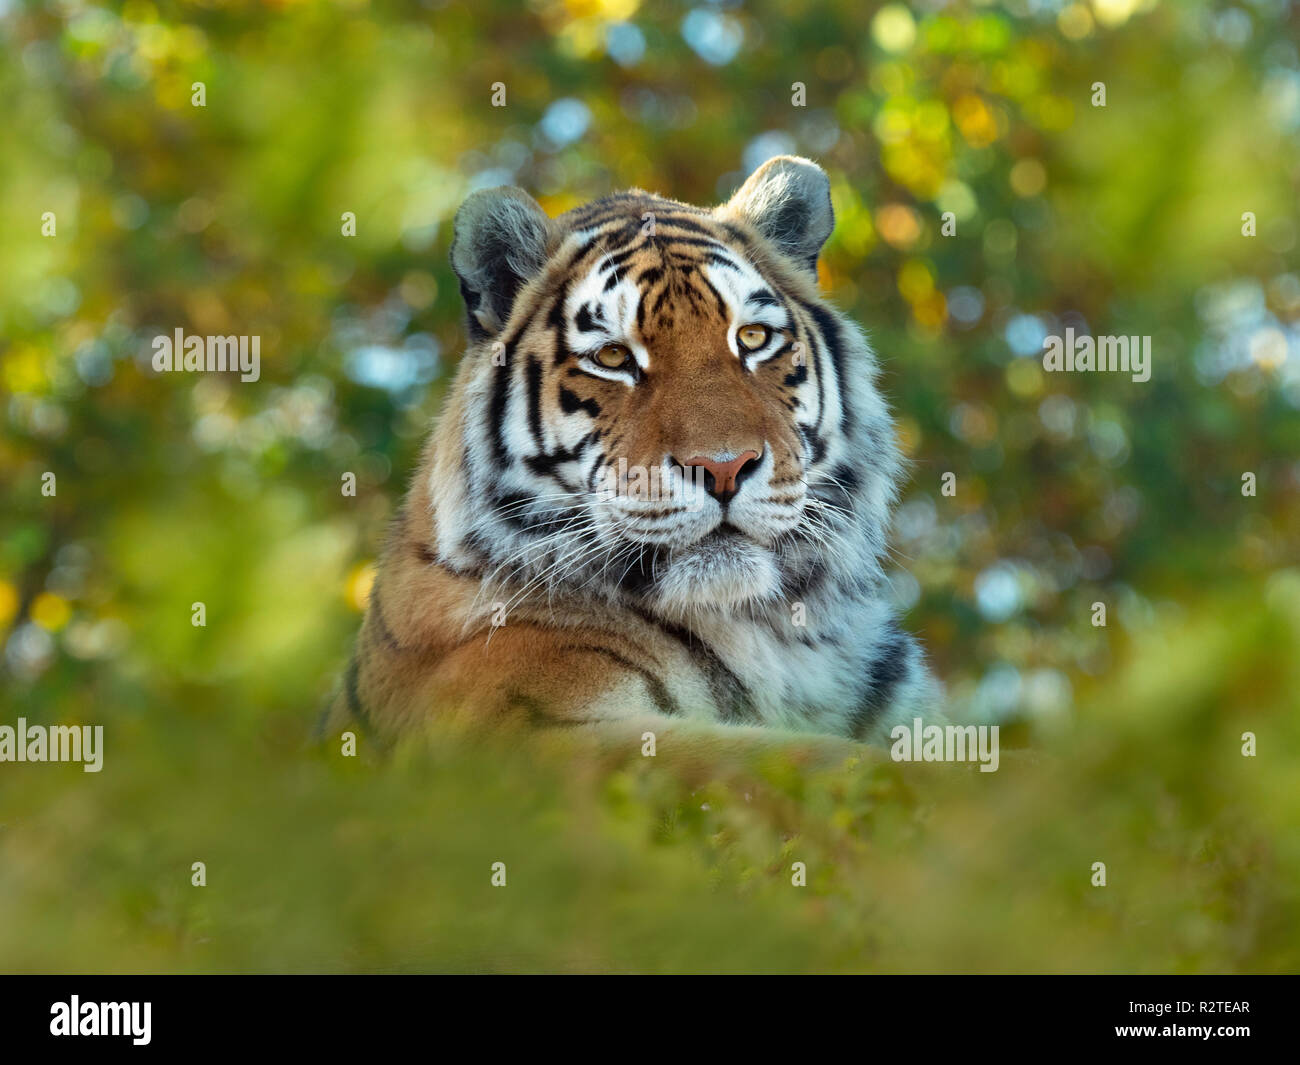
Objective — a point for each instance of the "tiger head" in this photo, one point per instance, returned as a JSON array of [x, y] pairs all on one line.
[[656, 402]]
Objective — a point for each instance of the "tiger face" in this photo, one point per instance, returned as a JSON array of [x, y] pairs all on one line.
[[658, 406]]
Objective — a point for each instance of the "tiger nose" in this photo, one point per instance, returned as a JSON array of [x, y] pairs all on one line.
[[722, 478]]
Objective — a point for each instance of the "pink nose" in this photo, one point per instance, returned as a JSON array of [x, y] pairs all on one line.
[[721, 479]]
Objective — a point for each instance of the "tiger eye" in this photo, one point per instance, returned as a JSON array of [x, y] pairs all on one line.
[[753, 337], [613, 356]]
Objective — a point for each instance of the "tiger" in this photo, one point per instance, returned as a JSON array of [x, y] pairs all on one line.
[[658, 489]]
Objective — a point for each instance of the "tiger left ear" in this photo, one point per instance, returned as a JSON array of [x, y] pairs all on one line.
[[500, 244], [788, 200]]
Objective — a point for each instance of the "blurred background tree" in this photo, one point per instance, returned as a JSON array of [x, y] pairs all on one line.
[[227, 218]]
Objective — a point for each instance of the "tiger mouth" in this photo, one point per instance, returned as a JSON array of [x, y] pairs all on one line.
[[724, 569], [717, 551], [722, 533], [722, 540]]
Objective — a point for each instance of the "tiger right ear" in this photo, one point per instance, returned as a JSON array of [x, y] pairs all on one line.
[[500, 244], [788, 200]]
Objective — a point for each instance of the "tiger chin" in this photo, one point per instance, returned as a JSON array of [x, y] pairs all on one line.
[[658, 491]]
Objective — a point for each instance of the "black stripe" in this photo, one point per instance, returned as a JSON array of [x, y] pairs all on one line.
[[603, 211], [623, 256], [730, 695], [375, 612], [814, 362], [669, 242], [570, 403], [628, 208], [659, 693], [722, 260], [832, 335], [676, 220], [427, 556], [740, 237], [547, 463], [799, 374], [555, 313], [722, 304], [887, 669], [507, 508], [583, 250], [534, 372], [801, 583], [351, 693], [497, 406], [848, 478], [538, 717], [501, 377], [815, 442]]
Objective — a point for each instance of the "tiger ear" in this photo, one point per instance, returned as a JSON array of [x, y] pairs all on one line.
[[500, 244], [788, 200]]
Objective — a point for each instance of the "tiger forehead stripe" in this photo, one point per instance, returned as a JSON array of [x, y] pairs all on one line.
[[620, 208], [615, 253], [648, 217], [618, 220]]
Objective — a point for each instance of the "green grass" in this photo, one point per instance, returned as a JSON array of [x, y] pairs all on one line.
[[383, 862]]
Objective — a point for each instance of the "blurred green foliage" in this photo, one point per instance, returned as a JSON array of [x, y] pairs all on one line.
[[1073, 489]]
